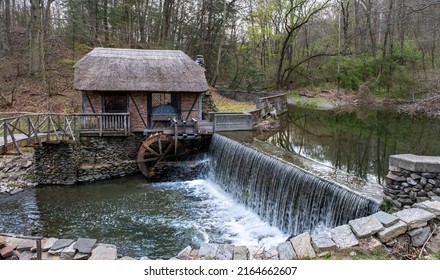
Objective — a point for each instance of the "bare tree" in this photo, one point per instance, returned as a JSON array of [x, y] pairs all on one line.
[[36, 42]]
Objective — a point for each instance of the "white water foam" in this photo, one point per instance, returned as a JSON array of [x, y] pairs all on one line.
[[226, 221]]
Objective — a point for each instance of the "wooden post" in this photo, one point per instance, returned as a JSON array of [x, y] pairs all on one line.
[[39, 250]]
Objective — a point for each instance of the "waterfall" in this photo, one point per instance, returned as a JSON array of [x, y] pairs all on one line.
[[282, 194]]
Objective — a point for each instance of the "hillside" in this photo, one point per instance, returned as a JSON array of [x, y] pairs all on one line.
[[18, 92]]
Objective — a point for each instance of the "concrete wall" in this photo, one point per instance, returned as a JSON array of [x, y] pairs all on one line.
[[412, 179], [231, 121]]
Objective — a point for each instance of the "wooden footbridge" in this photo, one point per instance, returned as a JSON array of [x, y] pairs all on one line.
[[18, 130]]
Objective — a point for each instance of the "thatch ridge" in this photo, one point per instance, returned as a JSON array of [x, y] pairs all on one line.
[[108, 69]]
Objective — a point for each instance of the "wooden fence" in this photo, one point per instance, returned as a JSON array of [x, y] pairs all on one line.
[[25, 129]]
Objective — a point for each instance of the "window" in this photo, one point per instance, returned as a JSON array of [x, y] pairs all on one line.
[[115, 103]]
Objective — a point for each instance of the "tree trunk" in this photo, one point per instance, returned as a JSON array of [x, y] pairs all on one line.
[[36, 47], [5, 30]]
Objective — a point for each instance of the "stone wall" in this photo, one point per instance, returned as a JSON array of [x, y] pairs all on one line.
[[412, 179], [91, 159], [57, 163], [272, 105]]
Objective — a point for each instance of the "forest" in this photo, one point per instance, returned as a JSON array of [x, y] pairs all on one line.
[[384, 48]]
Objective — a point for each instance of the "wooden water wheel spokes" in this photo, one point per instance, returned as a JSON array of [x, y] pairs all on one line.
[[155, 149]]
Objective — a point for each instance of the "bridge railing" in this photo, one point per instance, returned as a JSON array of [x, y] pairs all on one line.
[[35, 128]]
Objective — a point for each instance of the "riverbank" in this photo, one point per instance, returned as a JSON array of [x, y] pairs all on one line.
[[16, 173], [406, 234]]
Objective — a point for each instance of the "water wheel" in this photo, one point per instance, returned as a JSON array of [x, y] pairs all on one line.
[[155, 149]]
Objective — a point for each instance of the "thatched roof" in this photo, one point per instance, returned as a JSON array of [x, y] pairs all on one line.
[[105, 69]]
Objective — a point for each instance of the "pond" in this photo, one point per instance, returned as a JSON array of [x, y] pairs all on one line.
[[358, 141], [142, 219]]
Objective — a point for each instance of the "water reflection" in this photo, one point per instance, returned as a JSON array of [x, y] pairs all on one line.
[[359, 142]]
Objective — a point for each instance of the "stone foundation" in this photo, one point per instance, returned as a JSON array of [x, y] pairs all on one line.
[[412, 179], [91, 159]]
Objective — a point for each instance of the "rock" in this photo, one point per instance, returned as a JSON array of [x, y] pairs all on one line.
[[27, 256], [366, 226], [423, 181], [414, 217], [372, 243], [396, 178], [394, 168], [81, 256], [208, 250], [26, 245], [415, 176], [47, 243], [262, 253], [386, 219], [433, 245], [224, 252], [389, 233], [26, 164], [184, 254], [322, 242], [144, 259], [285, 251], [126, 258], [61, 243], [69, 252], [7, 252], [13, 242], [343, 237], [104, 252], [428, 175], [85, 245], [15, 191], [302, 246], [430, 206], [55, 252], [353, 254], [241, 253], [411, 181], [48, 256], [420, 236]]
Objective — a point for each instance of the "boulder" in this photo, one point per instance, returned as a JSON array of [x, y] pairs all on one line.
[[26, 245], [431, 206], [302, 246], [322, 242], [414, 217], [85, 245], [224, 252], [366, 226], [61, 243], [241, 253], [68, 253], [27, 256], [81, 256], [389, 233], [104, 252], [420, 235], [184, 254], [208, 250], [285, 251], [47, 243], [386, 219], [7, 252], [344, 237]]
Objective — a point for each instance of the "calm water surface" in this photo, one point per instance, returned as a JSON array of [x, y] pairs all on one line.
[[359, 142], [142, 219]]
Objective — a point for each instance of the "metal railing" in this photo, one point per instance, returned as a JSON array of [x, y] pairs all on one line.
[[40, 127]]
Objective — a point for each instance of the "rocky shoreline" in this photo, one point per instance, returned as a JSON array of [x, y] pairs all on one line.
[[415, 229], [16, 174]]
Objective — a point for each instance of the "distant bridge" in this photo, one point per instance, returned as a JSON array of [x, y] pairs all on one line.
[[18, 130]]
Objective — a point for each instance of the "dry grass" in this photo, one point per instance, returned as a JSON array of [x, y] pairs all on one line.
[[229, 105]]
